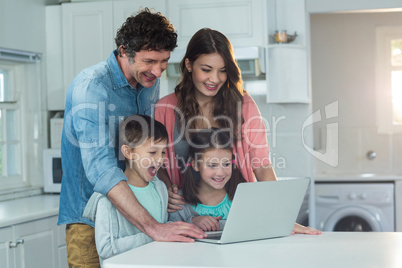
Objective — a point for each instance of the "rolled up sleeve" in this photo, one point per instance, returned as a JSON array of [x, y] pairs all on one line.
[[95, 133]]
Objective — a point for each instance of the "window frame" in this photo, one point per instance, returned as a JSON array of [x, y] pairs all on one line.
[[18, 84], [384, 106]]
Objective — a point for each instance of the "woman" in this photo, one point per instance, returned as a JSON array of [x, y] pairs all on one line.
[[210, 94]]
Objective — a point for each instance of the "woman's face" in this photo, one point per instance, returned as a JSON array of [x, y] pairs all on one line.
[[209, 74], [215, 167]]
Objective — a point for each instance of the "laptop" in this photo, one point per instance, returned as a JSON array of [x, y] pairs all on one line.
[[262, 210]]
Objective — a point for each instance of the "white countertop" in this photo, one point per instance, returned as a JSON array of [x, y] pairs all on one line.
[[28, 208], [369, 177], [331, 249]]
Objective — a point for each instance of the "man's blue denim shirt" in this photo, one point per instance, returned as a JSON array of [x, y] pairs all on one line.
[[97, 100]]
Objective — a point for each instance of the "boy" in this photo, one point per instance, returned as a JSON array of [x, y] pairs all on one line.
[[143, 143]]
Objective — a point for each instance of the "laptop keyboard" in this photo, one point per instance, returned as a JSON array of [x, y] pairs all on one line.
[[214, 235]]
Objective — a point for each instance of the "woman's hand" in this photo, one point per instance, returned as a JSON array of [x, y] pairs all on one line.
[[300, 229], [207, 223], [175, 200]]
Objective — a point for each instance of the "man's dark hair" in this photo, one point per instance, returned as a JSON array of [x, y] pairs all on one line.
[[146, 30]]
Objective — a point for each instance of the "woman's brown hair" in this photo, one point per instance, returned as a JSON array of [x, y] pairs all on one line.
[[228, 99]]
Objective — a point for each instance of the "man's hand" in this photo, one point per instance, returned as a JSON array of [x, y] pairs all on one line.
[[175, 200], [207, 223], [176, 232]]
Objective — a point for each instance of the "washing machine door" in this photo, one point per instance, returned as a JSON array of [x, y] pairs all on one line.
[[352, 219]]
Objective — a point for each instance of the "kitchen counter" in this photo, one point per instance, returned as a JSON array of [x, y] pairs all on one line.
[[369, 177], [331, 249], [28, 208]]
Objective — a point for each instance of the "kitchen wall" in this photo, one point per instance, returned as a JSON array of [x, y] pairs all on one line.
[[343, 69], [284, 123], [22, 24]]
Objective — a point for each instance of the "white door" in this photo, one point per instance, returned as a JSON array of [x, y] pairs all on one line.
[[6, 253], [87, 36], [243, 22], [39, 248]]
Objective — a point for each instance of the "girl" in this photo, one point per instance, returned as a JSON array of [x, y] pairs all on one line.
[[209, 181]]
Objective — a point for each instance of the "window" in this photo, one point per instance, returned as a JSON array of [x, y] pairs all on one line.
[[389, 79], [396, 78], [11, 174], [22, 123]]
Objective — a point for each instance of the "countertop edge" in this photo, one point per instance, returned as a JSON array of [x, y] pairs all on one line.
[[27, 209]]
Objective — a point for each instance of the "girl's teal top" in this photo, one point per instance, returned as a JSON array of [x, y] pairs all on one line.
[[222, 209]]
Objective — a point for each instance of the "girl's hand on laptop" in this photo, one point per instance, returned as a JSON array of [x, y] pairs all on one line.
[[207, 223], [300, 229], [175, 200]]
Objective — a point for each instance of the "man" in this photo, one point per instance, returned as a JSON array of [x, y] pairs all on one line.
[[98, 98]]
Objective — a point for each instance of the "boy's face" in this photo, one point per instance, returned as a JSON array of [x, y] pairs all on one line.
[[145, 161]]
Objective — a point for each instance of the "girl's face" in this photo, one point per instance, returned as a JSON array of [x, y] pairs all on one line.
[[215, 167], [144, 162], [209, 74]]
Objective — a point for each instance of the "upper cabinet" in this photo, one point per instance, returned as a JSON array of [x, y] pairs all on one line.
[[242, 21], [287, 70], [81, 34], [78, 35], [87, 34]]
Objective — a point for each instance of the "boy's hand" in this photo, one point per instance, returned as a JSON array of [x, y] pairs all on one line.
[[207, 223]]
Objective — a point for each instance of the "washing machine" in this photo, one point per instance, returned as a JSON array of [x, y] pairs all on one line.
[[354, 207]]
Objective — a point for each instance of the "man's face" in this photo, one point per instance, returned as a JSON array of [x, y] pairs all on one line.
[[145, 67]]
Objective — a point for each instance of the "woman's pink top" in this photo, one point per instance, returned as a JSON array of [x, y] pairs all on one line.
[[251, 152]]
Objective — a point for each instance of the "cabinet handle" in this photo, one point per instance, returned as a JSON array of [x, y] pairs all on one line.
[[15, 244]]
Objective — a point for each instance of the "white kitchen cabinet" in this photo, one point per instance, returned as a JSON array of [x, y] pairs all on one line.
[[81, 34], [61, 246], [87, 34], [287, 71], [30, 244], [242, 21], [54, 59], [78, 35], [6, 254]]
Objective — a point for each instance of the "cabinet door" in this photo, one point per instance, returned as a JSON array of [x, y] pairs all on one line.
[[288, 78], [242, 21], [288, 65], [61, 237], [87, 36], [40, 243], [6, 254], [54, 59], [125, 8]]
